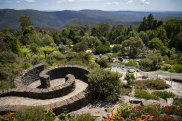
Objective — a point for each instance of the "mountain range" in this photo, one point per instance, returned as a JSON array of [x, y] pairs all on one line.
[[61, 19]]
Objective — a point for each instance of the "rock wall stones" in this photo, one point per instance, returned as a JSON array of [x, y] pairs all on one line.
[[70, 104], [36, 93], [60, 72], [32, 74]]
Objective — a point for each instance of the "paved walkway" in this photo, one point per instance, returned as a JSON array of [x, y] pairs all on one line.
[[11, 100]]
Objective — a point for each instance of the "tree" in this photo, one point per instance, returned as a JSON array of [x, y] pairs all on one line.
[[162, 34], [82, 46], [151, 62], [101, 49], [12, 44], [177, 42], [155, 43], [150, 21], [143, 25], [103, 63], [117, 48], [95, 32], [46, 39], [56, 38], [47, 50], [25, 22], [133, 46], [72, 36], [144, 36], [173, 27], [103, 27]]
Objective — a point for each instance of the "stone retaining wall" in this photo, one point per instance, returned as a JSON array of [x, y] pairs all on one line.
[[71, 104], [32, 74], [60, 72], [36, 93], [70, 72]]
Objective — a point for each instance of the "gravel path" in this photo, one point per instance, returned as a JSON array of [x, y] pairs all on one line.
[[79, 86]]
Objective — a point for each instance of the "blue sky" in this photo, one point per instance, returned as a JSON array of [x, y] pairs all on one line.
[[134, 5]]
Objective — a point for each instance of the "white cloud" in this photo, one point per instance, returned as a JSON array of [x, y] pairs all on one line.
[[60, 1], [145, 2], [113, 3], [30, 1], [130, 1]]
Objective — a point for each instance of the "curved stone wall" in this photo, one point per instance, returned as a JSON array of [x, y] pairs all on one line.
[[35, 93], [71, 104], [69, 72], [60, 72]]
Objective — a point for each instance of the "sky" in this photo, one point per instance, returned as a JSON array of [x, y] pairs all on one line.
[[108, 5]]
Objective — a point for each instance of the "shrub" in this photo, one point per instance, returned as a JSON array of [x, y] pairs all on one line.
[[6, 85], [117, 48], [164, 94], [103, 62], [156, 84], [101, 49], [172, 110], [145, 95], [165, 67], [56, 55], [125, 91], [132, 63], [130, 77], [26, 65], [105, 84], [177, 68], [140, 85], [178, 102], [31, 114], [84, 117], [65, 117]]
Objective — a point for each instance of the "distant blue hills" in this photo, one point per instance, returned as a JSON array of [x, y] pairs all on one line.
[[61, 19]]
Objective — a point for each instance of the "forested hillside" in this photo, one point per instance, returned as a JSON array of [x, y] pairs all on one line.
[[61, 19]]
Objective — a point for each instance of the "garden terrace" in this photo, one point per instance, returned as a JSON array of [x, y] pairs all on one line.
[[68, 95]]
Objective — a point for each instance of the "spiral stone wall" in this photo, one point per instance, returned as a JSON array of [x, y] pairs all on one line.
[[69, 72]]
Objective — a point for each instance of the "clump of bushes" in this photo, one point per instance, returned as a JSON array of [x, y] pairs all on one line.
[[6, 85], [132, 63], [165, 67], [178, 102], [34, 114], [82, 117], [130, 78], [103, 62], [156, 84], [26, 65], [176, 68], [164, 94], [125, 91], [105, 84], [144, 94]]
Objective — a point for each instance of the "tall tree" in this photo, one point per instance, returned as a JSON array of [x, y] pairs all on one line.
[[25, 22]]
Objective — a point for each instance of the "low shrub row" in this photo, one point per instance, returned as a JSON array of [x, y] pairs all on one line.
[[157, 84], [144, 94], [163, 94], [154, 95]]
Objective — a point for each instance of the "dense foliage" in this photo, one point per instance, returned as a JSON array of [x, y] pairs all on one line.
[[105, 84]]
